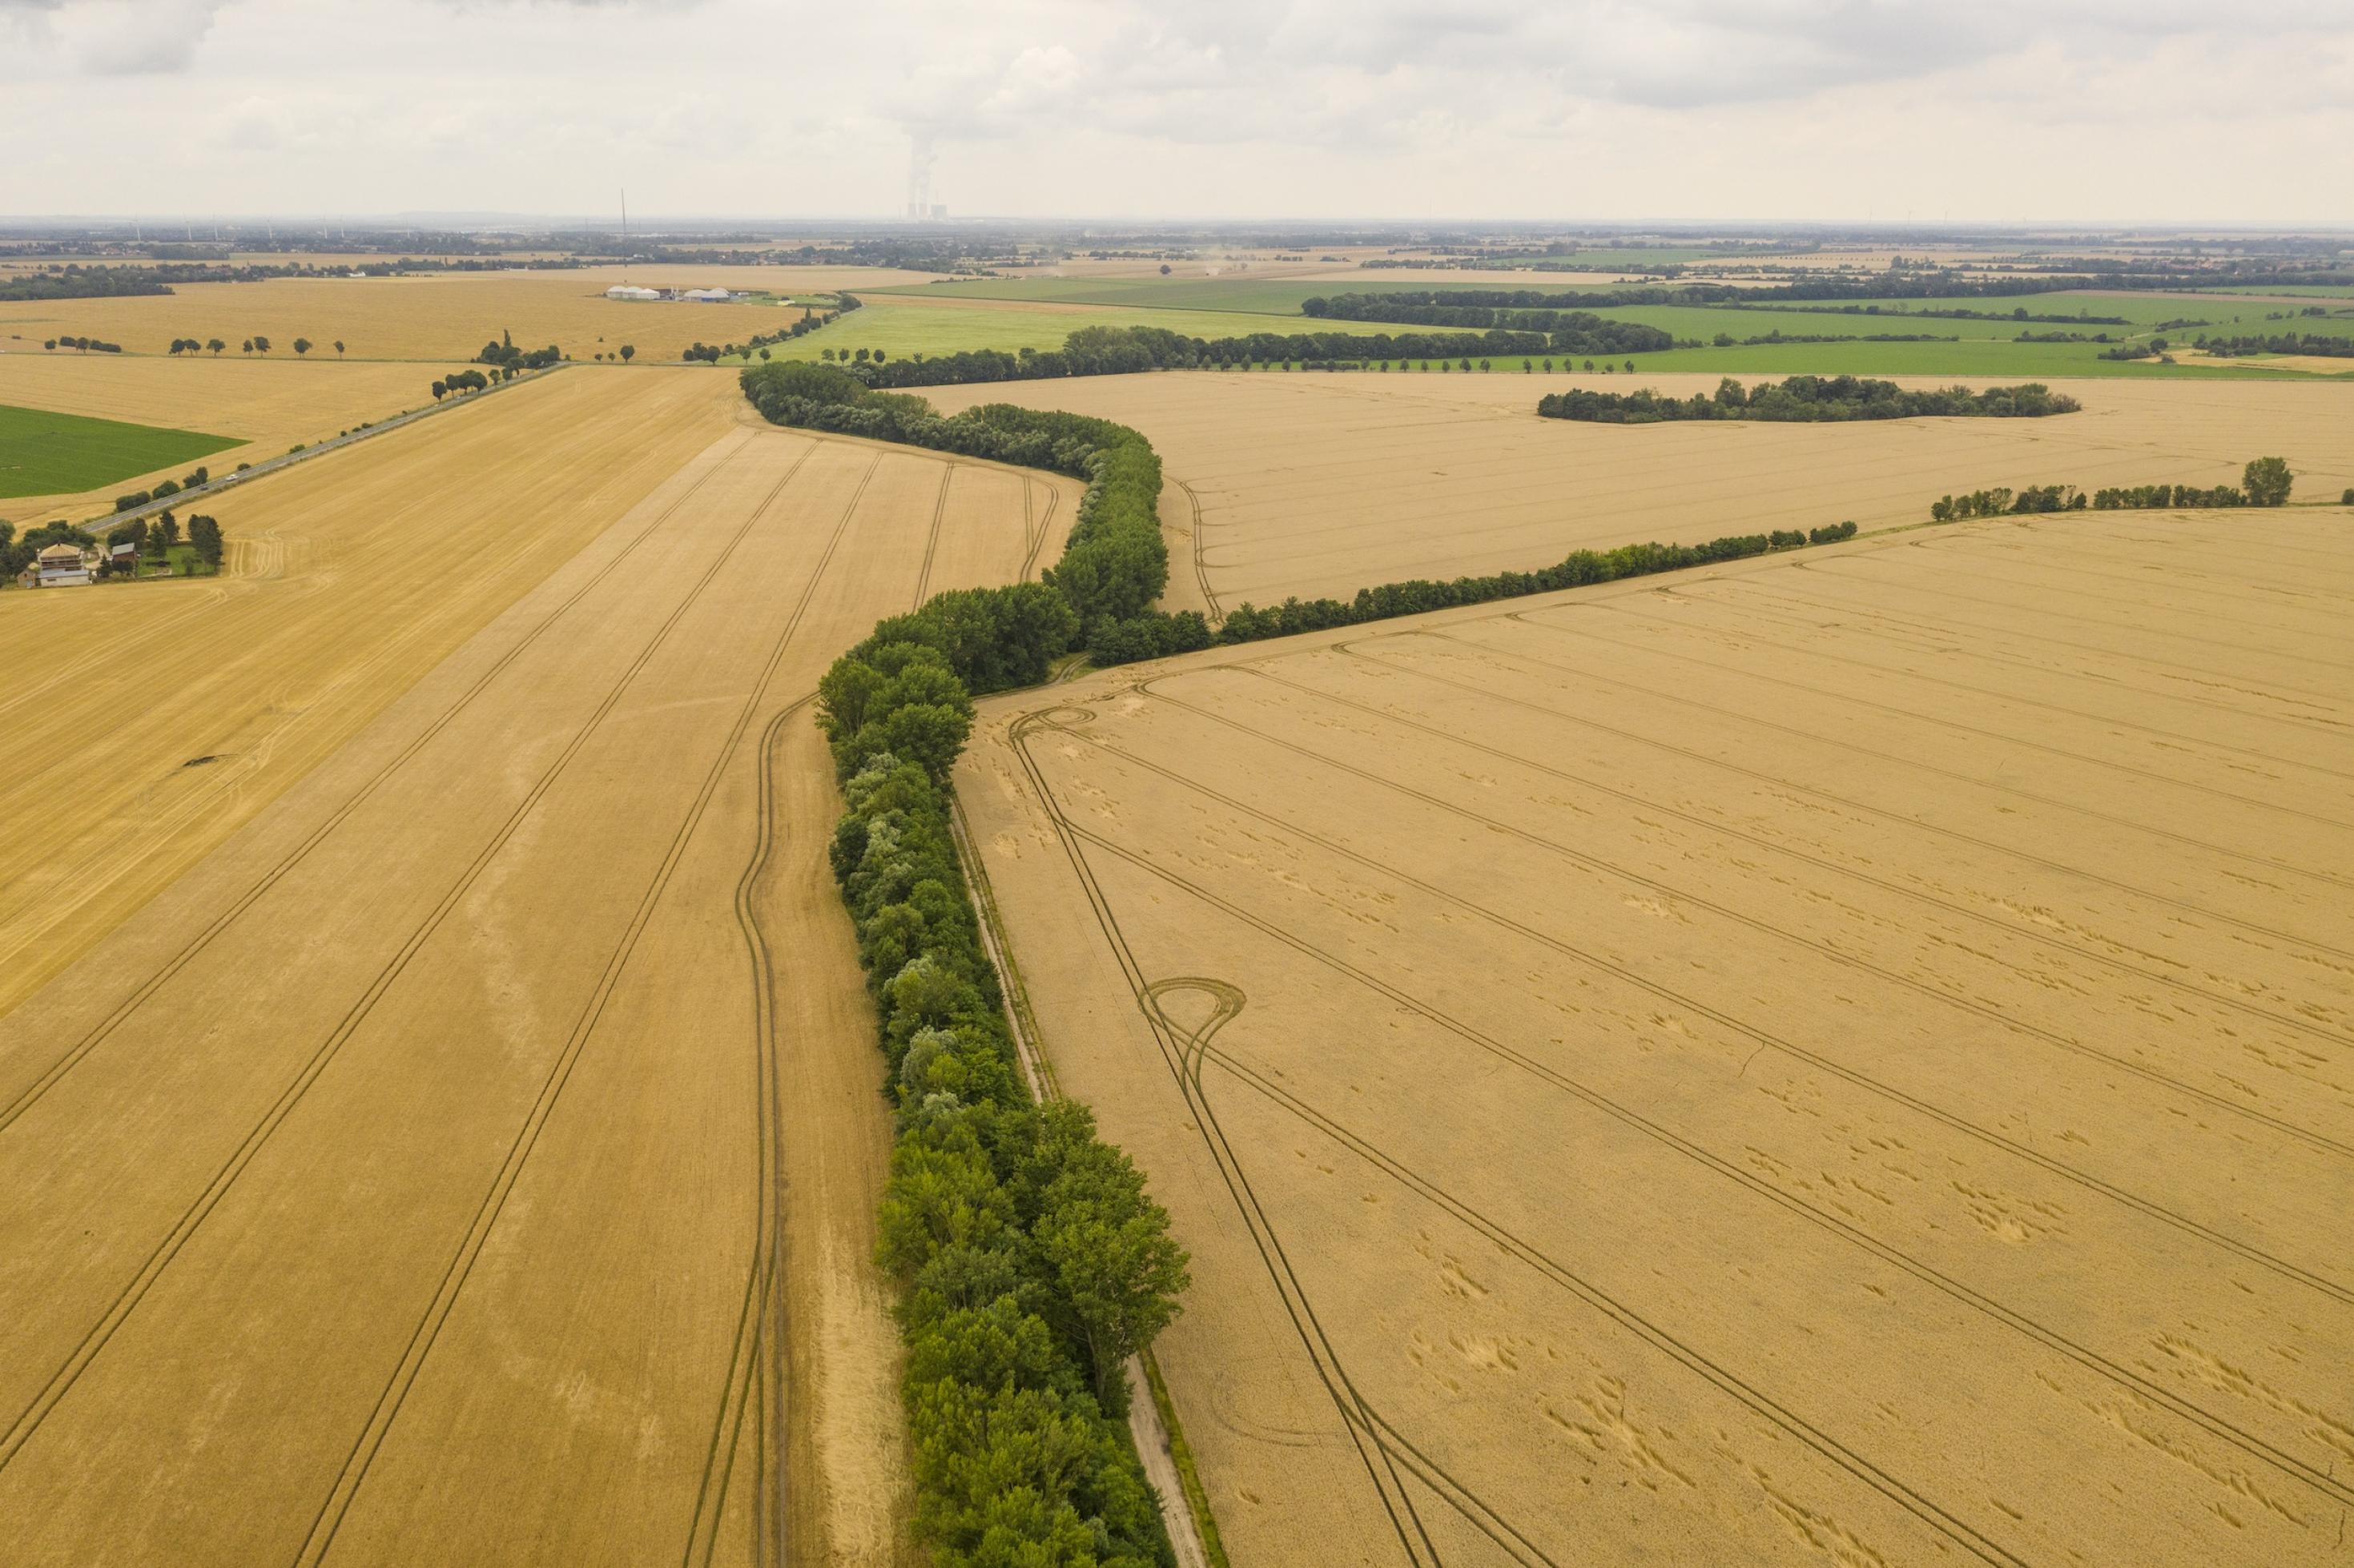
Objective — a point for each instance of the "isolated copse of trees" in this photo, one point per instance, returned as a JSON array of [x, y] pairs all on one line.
[[1807, 398]]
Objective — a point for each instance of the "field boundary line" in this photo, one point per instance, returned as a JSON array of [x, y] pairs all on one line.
[[270, 879], [127, 1301], [337, 1504]]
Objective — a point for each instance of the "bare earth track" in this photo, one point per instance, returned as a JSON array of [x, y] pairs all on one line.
[[1841, 1058], [438, 1171]]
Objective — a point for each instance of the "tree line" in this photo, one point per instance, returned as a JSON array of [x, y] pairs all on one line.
[[1246, 623], [1807, 398], [1123, 351], [1580, 332], [1031, 1260], [194, 479], [2264, 482], [2313, 343], [87, 344], [503, 353]]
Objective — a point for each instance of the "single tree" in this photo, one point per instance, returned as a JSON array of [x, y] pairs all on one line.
[[629, 352], [339, 346], [2267, 481], [301, 345], [441, 388], [1164, 268], [216, 346], [764, 353], [260, 344], [249, 345]]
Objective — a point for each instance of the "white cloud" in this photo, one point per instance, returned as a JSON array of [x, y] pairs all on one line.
[[1537, 108]]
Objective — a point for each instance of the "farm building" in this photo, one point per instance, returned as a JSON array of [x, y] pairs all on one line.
[[59, 566], [626, 292], [124, 555], [708, 296]]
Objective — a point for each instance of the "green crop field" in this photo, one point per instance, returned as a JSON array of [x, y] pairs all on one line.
[[1270, 296], [920, 328], [47, 453]]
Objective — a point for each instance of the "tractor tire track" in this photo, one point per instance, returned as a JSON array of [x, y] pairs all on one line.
[[27, 1423], [269, 879], [337, 1505]]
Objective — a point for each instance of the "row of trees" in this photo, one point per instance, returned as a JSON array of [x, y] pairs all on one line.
[[1581, 569], [1122, 351], [2309, 342], [503, 353], [2264, 482], [1031, 1259], [195, 478], [87, 344], [1809, 399], [459, 382]]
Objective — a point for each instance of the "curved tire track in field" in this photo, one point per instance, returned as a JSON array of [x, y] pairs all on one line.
[[1775, 932], [2256, 1447], [1380, 1467], [1352, 1406], [757, 1349], [294, 857], [339, 1499], [126, 1301], [1761, 1036], [1201, 566]]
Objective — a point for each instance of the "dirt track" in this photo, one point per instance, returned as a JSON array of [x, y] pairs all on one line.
[[1323, 483], [1836, 1059], [439, 1172]]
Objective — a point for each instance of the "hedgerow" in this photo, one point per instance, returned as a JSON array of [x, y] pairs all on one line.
[[1031, 1260]]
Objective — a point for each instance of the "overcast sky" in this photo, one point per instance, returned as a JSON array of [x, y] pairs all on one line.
[[2041, 110]]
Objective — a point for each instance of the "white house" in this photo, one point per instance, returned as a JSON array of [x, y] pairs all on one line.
[[61, 564]]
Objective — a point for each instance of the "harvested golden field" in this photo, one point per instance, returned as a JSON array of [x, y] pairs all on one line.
[[475, 1159], [1841, 1058], [347, 579], [273, 404], [446, 316], [1316, 483]]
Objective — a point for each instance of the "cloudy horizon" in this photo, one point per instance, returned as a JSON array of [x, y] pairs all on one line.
[[2067, 112]]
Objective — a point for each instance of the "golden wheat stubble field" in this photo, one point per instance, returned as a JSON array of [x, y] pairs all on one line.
[[475, 1159], [1838, 1058], [438, 316], [273, 404], [146, 722], [1315, 485]]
